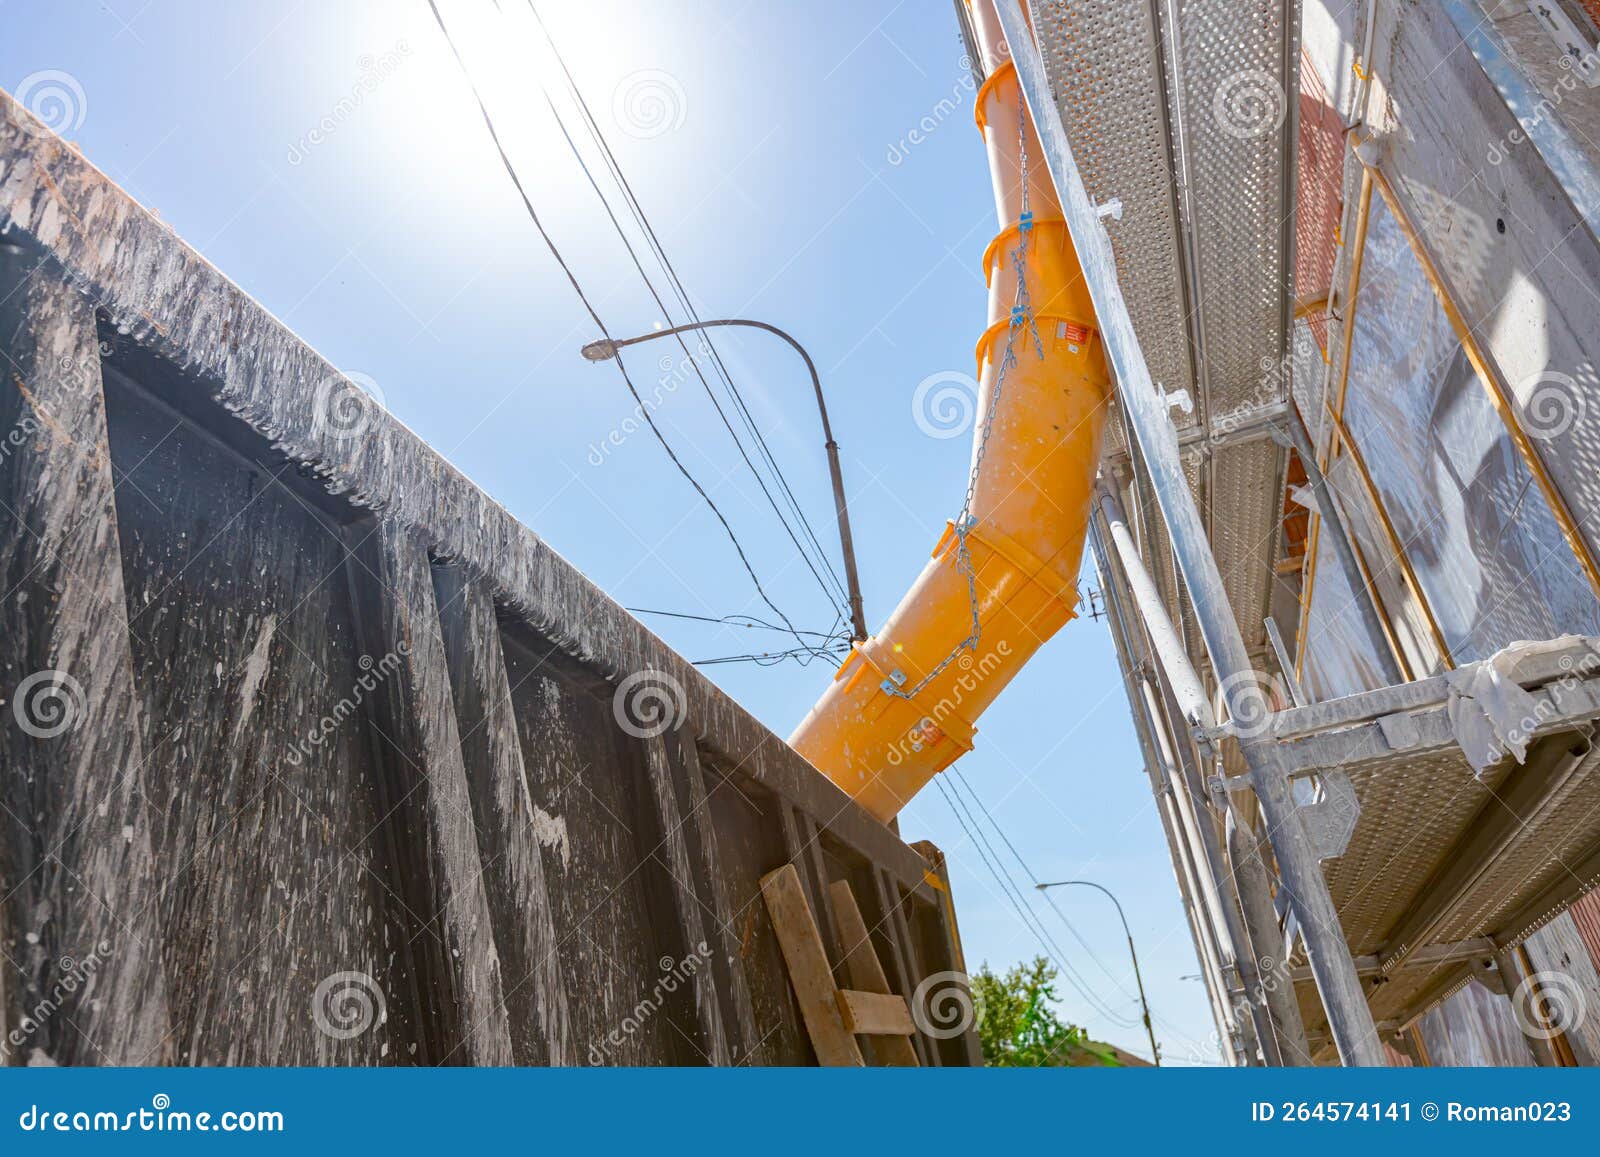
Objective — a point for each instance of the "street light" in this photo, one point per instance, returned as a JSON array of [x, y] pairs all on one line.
[[608, 348], [1155, 1049]]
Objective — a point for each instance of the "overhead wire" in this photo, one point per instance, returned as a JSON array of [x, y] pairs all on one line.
[[831, 647], [642, 220], [689, 356], [594, 315], [733, 620], [1049, 899], [803, 656], [959, 779], [1025, 912]]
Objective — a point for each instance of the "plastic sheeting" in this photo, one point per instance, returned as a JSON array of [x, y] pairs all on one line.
[[1474, 1028], [1487, 552], [1407, 618], [1338, 658]]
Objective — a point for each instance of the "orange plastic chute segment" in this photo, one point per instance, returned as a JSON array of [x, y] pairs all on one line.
[[1030, 505]]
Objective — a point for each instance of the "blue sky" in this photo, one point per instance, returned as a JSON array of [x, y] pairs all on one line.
[[771, 145]]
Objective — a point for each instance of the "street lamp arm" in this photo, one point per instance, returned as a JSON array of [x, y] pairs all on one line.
[[1149, 1028], [608, 348], [811, 368], [1098, 887]]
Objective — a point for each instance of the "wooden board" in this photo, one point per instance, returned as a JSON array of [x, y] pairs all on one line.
[[866, 974], [808, 968], [876, 1014]]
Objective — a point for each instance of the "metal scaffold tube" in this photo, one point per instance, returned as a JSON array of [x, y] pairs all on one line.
[[1157, 770], [1145, 411], [1251, 928]]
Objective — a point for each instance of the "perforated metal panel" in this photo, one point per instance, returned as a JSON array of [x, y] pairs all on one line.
[[1183, 114], [1236, 96], [1412, 812], [1103, 61]]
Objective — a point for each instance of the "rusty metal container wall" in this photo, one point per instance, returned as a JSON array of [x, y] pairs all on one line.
[[321, 757]]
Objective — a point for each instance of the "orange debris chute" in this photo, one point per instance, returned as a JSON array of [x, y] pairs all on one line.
[[1003, 577]]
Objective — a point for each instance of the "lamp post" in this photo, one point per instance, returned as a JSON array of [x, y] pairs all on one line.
[[1155, 1049], [607, 348]]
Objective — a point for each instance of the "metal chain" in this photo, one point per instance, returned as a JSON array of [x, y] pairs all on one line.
[[1022, 317]]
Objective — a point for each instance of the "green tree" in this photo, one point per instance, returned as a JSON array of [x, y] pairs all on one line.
[[1018, 1026]]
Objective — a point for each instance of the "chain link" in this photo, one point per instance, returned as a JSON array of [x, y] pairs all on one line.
[[1022, 318]]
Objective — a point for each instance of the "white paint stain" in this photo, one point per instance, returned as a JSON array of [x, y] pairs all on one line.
[[255, 670], [551, 832]]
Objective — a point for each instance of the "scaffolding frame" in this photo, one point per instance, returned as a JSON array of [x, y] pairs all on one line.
[[1335, 938]]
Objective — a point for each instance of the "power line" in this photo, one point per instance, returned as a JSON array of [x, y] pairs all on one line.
[[1030, 920], [734, 620], [577, 288], [803, 656], [1049, 899], [641, 218], [638, 265]]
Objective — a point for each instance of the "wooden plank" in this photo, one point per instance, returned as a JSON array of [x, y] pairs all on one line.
[[519, 902], [861, 964], [865, 971], [672, 847], [745, 1038], [875, 1014], [809, 971], [423, 730], [75, 845]]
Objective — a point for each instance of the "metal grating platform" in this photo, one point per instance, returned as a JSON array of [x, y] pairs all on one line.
[[1444, 856], [1184, 115]]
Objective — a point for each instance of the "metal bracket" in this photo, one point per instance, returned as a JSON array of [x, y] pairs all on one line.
[[1331, 819], [1110, 207]]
